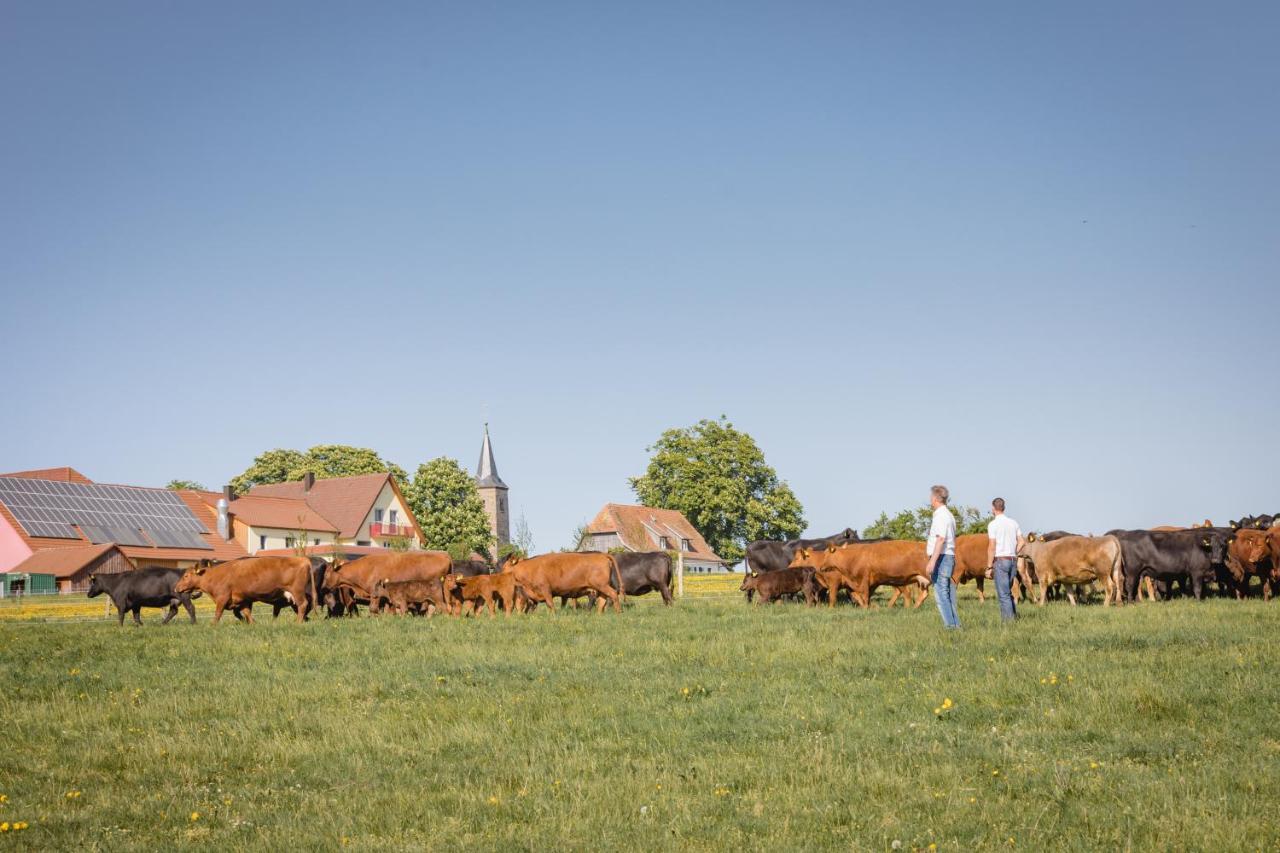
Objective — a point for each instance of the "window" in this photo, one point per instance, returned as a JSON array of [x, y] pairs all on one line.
[[262, 543], [684, 545], [289, 541], [664, 543], [363, 543], [393, 515], [377, 516]]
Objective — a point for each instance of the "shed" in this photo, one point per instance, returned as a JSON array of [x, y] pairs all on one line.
[[64, 569]]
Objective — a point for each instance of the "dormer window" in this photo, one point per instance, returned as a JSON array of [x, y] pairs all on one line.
[[685, 545], [664, 543]]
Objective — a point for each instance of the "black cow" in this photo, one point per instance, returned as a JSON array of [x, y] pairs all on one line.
[[132, 591], [1166, 556], [471, 568], [767, 555], [1257, 522], [644, 572]]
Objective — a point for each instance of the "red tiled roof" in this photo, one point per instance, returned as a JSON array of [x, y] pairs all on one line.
[[63, 474], [344, 501], [63, 562], [632, 522], [283, 513]]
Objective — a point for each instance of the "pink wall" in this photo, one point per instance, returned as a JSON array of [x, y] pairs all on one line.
[[12, 549]]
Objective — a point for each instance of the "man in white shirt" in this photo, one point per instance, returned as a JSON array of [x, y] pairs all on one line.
[[940, 548], [1004, 538]]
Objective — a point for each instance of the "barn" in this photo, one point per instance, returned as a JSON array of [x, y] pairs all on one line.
[[63, 569]]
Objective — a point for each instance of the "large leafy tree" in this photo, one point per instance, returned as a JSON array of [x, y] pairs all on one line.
[[324, 460], [914, 523], [718, 477], [448, 508], [185, 484]]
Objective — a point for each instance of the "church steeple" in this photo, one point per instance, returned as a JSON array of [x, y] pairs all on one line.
[[493, 492]]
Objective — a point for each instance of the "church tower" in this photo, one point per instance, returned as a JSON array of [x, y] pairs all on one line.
[[494, 493]]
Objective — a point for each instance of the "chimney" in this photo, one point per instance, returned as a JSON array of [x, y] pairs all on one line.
[[308, 480], [228, 494], [224, 519]]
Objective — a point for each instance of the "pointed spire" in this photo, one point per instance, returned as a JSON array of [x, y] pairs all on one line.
[[487, 470]]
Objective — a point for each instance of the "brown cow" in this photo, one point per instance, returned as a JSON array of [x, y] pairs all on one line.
[[863, 566], [354, 581], [971, 561], [239, 583], [1076, 560], [489, 590], [569, 574], [421, 596], [1250, 551]]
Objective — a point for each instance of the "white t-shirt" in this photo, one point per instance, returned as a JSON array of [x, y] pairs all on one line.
[[1005, 532], [944, 525]]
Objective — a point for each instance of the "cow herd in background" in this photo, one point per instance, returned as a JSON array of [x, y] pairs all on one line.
[[1164, 562]]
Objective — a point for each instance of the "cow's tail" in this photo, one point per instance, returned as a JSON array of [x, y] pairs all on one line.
[[313, 601], [671, 573], [1117, 572], [614, 571]]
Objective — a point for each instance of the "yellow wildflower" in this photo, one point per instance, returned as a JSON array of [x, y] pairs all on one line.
[[946, 704], [195, 816], [4, 827], [493, 801]]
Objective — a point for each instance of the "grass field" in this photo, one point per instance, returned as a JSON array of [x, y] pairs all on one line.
[[709, 725]]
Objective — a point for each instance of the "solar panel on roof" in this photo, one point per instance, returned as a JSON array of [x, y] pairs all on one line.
[[119, 535], [49, 507], [178, 539]]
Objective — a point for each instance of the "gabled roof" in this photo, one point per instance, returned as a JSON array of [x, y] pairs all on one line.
[[639, 526], [262, 511], [487, 469], [63, 562], [63, 474], [345, 501]]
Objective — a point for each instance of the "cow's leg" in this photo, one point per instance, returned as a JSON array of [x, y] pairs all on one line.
[[1044, 589], [173, 611], [190, 608], [665, 589], [894, 596], [137, 614], [982, 596], [922, 593], [219, 605], [120, 611]]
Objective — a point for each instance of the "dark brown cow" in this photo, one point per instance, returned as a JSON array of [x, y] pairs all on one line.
[[569, 575], [238, 583], [487, 590], [778, 584], [353, 582], [402, 596]]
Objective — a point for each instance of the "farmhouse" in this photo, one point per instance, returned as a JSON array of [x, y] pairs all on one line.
[[57, 527], [642, 528], [346, 515]]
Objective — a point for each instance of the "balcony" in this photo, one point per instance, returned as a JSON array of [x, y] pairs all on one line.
[[382, 530]]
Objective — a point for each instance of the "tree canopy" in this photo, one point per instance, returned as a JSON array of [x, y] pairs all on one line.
[[448, 507], [914, 523], [718, 477], [324, 460], [185, 484]]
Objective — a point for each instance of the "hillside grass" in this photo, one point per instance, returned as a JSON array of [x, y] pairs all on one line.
[[709, 725]]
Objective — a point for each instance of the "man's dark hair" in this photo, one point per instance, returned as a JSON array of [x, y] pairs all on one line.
[[998, 504]]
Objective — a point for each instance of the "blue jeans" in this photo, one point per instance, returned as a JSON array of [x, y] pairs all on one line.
[[944, 590], [1003, 569]]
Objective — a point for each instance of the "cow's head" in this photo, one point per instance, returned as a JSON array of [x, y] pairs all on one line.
[[95, 586], [451, 583], [1216, 545], [376, 594], [1249, 546], [512, 560], [749, 581], [190, 580]]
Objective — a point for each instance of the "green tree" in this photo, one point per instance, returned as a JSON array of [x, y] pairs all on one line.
[[718, 477], [447, 505], [185, 484], [324, 460], [914, 523]]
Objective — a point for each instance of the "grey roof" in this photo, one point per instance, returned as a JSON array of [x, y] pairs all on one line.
[[487, 470]]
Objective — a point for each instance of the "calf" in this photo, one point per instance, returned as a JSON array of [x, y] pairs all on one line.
[[489, 590], [1249, 553], [352, 582], [1076, 560], [403, 596], [132, 591], [773, 586]]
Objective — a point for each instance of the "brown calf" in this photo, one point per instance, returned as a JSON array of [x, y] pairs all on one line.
[[570, 574], [775, 585], [1250, 550], [489, 590], [354, 581], [421, 596], [239, 583]]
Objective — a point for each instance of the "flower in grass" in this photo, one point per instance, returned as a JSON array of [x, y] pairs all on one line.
[[4, 798], [4, 827], [195, 816], [20, 825], [995, 772], [493, 801], [73, 795]]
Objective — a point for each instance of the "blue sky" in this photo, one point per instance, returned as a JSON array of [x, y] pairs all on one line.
[[1015, 249]]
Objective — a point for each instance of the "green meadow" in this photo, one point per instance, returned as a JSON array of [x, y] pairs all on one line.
[[710, 725]]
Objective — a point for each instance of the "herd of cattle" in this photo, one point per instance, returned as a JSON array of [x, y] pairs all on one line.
[[423, 582], [1166, 561]]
